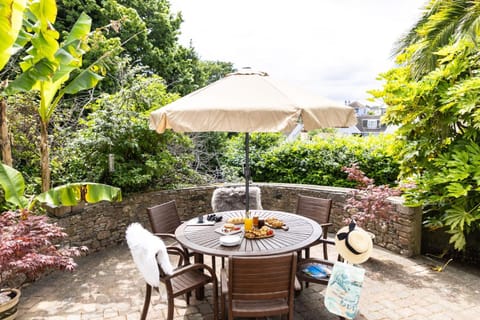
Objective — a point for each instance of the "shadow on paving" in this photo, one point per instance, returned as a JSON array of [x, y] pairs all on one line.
[[106, 285], [455, 280], [388, 270]]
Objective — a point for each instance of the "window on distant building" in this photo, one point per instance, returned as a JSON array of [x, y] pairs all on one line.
[[371, 123]]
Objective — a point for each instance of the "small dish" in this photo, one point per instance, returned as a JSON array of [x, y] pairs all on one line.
[[225, 232], [230, 241]]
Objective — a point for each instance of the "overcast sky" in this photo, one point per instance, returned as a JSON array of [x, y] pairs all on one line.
[[335, 48]]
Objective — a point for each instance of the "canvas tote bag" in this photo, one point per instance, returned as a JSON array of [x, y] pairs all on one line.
[[343, 291]]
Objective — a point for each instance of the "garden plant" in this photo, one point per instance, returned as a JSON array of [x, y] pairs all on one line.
[[368, 202], [30, 244], [433, 95]]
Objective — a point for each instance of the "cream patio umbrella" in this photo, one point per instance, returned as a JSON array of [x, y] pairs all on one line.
[[250, 101]]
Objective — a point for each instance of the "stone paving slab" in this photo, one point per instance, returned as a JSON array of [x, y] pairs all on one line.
[[107, 285]]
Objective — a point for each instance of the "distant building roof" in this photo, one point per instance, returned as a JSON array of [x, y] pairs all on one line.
[[356, 104], [349, 130]]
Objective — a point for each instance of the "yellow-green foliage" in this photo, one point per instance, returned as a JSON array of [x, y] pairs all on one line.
[[433, 97], [318, 160]]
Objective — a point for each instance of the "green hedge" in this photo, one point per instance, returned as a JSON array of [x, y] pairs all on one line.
[[318, 160]]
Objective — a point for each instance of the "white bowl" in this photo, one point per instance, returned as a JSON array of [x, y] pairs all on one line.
[[230, 241]]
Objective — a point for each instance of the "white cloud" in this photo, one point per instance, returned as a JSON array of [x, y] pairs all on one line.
[[336, 48]]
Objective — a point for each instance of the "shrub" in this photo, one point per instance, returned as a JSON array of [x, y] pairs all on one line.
[[319, 161], [143, 159], [234, 157], [368, 202], [28, 246]]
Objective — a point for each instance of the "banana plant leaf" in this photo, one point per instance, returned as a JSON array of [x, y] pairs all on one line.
[[13, 186], [73, 193], [85, 80], [11, 17]]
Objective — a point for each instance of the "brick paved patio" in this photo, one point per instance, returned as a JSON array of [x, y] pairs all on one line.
[[107, 286]]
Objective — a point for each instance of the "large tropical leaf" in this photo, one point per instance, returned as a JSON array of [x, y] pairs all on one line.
[[71, 194], [29, 80], [13, 186], [85, 80], [47, 75], [11, 17], [44, 41], [80, 29]]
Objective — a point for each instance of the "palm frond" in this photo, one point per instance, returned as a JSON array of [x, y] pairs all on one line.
[[443, 22]]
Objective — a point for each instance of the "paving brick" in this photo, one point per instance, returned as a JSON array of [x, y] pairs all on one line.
[[107, 285]]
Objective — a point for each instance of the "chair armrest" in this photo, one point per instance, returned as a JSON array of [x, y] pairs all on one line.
[[190, 267], [166, 235], [326, 241], [172, 237], [178, 252], [325, 229], [223, 281]]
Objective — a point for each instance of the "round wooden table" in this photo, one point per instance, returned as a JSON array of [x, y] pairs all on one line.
[[203, 239]]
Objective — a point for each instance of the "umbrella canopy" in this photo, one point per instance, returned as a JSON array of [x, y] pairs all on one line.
[[250, 101]]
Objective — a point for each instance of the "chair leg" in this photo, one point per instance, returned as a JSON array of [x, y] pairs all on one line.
[[214, 264], [171, 307], [325, 251], [222, 307], [307, 256], [215, 300], [146, 303]]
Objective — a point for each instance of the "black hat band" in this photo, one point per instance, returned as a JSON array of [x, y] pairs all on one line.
[[344, 236]]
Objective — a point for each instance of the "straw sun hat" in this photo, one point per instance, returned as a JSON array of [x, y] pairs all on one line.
[[353, 243]]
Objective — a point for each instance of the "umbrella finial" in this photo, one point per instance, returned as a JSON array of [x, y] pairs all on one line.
[[248, 71]]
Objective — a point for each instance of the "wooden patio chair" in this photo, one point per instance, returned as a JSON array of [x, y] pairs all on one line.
[[164, 219], [258, 286], [151, 258], [317, 209], [234, 198]]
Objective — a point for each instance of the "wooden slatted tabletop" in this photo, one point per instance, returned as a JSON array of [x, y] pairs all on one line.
[[301, 233]]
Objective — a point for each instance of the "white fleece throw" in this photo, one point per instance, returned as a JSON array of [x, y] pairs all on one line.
[[144, 247]]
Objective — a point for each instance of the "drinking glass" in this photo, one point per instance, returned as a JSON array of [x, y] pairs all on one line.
[[255, 221], [261, 223], [248, 224]]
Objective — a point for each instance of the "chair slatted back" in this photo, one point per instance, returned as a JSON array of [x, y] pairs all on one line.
[[317, 209], [262, 278], [164, 217]]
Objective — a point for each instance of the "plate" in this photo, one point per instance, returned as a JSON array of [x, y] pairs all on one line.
[[230, 241], [223, 231], [257, 234], [284, 226], [274, 223], [255, 237]]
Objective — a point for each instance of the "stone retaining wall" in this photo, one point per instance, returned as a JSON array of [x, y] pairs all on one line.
[[102, 225]]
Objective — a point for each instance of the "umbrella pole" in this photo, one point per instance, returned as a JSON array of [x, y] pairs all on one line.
[[247, 174]]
